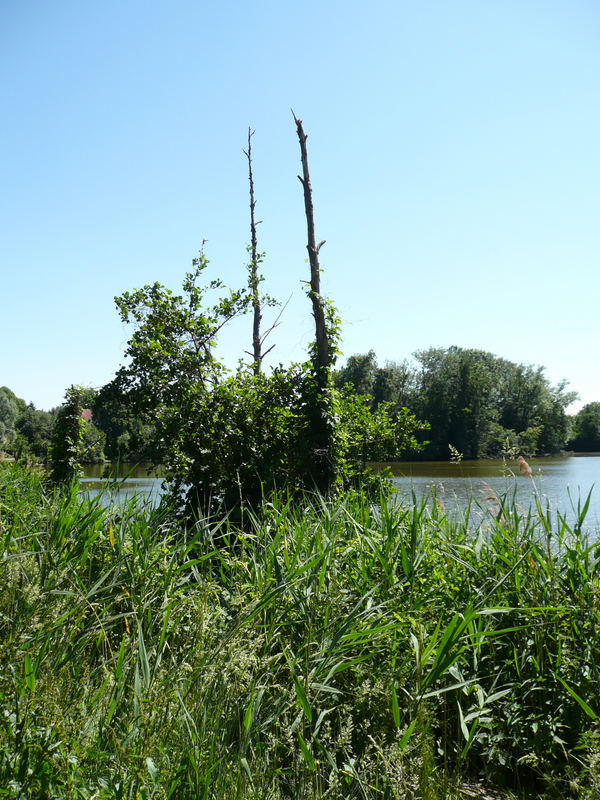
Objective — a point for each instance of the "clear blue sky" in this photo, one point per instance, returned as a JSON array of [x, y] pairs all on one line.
[[454, 151]]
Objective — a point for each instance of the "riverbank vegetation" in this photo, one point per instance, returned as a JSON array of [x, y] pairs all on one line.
[[483, 405], [329, 649], [26, 431], [529, 416]]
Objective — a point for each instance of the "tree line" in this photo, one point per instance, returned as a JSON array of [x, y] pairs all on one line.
[[480, 404], [26, 432]]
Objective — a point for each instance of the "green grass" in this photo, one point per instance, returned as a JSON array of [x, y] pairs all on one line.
[[342, 649]]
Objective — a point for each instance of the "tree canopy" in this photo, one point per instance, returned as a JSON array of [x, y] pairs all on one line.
[[586, 429], [475, 401]]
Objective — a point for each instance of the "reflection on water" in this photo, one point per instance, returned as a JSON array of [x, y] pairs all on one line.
[[558, 480]]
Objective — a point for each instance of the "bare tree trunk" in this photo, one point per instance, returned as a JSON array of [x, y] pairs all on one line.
[[253, 268], [321, 429], [323, 355]]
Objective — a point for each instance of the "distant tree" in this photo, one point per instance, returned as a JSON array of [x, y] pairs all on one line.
[[128, 431], [360, 371], [456, 395], [586, 429], [554, 421], [475, 401], [522, 390], [395, 383], [9, 413], [480, 404], [34, 433]]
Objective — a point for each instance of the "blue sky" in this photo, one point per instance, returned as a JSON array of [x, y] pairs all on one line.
[[454, 159]]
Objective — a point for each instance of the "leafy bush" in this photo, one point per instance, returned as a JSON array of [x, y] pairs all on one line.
[[228, 440]]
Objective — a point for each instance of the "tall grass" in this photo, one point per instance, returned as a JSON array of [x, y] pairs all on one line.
[[339, 649]]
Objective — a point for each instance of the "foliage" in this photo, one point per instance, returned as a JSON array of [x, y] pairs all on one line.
[[457, 398], [29, 434], [228, 440], [242, 439], [174, 337], [379, 434], [92, 443], [393, 383], [25, 432], [9, 413], [334, 649], [33, 433], [477, 401], [67, 435], [481, 404], [250, 436], [172, 366], [360, 371], [586, 429], [128, 432]]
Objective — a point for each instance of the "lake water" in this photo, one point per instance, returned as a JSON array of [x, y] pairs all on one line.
[[120, 482], [554, 478], [454, 484]]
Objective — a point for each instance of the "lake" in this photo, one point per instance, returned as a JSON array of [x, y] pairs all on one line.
[[554, 478], [454, 484], [120, 482]]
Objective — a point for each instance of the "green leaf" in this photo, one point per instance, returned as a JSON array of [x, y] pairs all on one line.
[[407, 734], [310, 762], [300, 693], [144, 664], [303, 699], [29, 673], [252, 710], [589, 711], [246, 767], [395, 707]]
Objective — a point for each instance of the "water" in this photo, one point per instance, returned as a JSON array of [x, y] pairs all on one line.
[[555, 479], [119, 483], [453, 483]]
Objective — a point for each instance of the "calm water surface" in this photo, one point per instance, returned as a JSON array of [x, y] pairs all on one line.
[[120, 482], [555, 478]]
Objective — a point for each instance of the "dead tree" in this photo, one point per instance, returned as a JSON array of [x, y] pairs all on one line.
[[322, 350], [253, 267], [320, 437], [254, 280]]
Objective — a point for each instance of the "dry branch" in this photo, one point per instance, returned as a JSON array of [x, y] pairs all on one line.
[[323, 355], [253, 268]]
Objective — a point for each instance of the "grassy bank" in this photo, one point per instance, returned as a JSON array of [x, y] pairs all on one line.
[[337, 650]]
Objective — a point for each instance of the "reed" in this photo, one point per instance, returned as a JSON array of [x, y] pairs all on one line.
[[331, 649]]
